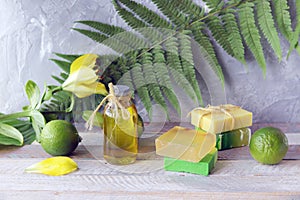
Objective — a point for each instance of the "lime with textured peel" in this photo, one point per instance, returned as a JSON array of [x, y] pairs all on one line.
[[268, 145], [59, 138], [54, 166]]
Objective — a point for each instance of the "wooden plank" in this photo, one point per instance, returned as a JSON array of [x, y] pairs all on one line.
[[149, 195], [155, 167], [167, 183]]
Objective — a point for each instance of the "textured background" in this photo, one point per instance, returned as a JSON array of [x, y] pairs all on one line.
[[30, 30]]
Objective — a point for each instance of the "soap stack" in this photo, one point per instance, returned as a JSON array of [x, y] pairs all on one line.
[[187, 150], [196, 151], [229, 123]]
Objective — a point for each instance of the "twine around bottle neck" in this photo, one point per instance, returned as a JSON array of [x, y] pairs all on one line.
[[116, 104]]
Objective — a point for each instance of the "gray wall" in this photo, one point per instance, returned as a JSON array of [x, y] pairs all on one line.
[[30, 30]]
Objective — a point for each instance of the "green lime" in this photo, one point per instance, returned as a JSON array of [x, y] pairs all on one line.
[[59, 138], [268, 145]]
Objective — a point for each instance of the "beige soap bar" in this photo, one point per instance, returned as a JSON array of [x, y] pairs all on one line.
[[185, 144], [218, 119]]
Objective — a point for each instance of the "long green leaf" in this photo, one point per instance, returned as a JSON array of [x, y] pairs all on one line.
[[251, 34], [207, 49], [65, 66], [233, 34], [146, 14], [68, 57], [283, 18], [38, 123], [295, 37], [33, 93], [10, 135], [266, 24]]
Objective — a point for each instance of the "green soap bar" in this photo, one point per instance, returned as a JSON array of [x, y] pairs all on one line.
[[203, 167], [231, 139]]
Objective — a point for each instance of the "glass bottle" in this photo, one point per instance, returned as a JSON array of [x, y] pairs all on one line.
[[120, 128]]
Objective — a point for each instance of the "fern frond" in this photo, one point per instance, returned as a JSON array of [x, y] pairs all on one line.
[[112, 42], [163, 77], [175, 68], [251, 34], [142, 90], [207, 49], [233, 35], [150, 34], [295, 37], [283, 18], [59, 80], [96, 36], [65, 66], [266, 24], [187, 62], [67, 57], [171, 96], [170, 10], [146, 14], [214, 4], [64, 75], [189, 8], [109, 30], [57, 106], [151, 81], [219, 33], [120, 34]]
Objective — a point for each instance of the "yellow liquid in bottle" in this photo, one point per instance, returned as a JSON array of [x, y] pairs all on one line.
[[120, 138]]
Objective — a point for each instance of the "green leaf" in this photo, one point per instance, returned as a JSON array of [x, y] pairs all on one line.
[[214, 4], [295, 37], [283, 18], [98, 120], [170, 10], [33, 93], [190, 8], [146, 14], [250, 33], [187, 62], [38, 123], [65, 66], [23, 126], [69, 57], [96, 36], [59, 80], [266, 24], [10, 135], [109, 30], [233, 35], [207, 49]]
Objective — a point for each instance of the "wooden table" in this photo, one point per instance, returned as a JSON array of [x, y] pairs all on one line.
[[236, 175]]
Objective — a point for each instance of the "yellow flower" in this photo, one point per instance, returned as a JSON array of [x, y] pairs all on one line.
[[83, 80]]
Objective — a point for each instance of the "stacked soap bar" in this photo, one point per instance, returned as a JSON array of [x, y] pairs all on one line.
[[185, 144], [187, 150], [204, 167], [219, 119], [231, 139], [228, 122]]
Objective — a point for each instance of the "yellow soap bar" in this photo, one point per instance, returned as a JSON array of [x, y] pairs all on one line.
[[185, 144], [218, 119]]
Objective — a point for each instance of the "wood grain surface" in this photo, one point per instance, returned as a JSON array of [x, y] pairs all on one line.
[[236, 175]]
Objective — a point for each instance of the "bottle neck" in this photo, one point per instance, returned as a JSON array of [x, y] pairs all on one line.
[[125, 101]]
